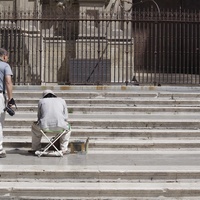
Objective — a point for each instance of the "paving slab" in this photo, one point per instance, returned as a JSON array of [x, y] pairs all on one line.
[[134, 158], [99, 189]]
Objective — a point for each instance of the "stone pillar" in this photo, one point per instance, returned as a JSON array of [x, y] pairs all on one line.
[[19, 5], [9, 5], [25, 5], [115, 44], [121, 54], [32, 49], [54, 60], [91, 48]]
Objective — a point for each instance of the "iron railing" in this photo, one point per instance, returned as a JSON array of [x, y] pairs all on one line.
[[96, 47]]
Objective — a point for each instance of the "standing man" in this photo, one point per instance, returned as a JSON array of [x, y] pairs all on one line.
[[52, 116], [5, 85]]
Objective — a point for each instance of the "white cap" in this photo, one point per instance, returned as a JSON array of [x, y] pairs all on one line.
[[48, 92]]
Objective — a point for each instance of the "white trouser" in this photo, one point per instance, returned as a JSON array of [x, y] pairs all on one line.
[[37, 136], [2, 119]]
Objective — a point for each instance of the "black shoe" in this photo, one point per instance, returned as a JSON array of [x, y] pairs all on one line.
[[32, 151], [2, 155]]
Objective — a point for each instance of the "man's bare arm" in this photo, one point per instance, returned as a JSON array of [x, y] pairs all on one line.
[[9, 86]]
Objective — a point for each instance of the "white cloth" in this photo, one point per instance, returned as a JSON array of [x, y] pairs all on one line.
[[2, 119], [37, 136]]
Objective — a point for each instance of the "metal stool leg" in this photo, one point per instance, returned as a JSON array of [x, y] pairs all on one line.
[[51, 143]]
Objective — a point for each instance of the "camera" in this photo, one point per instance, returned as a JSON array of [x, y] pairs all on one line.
[[9, 110]]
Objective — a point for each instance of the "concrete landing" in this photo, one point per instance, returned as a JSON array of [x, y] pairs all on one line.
[[101, 175], [115, 158]]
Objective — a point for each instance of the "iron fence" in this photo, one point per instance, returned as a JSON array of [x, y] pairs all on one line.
[[167, 46], [93, 47]]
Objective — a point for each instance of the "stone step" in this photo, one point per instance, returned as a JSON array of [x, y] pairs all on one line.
[[114, 116], [105, 173], [107, 94], [187, 90], [109, 132], [144, 145], [162, 122], [111, 95], [117, 101], [102, 198], [100, 189], [124, 143], [36, 94], [114, 109], [113, 88]]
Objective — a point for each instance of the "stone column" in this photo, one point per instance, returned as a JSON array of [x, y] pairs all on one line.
[[54, 60], [121, 54], [26, 5]]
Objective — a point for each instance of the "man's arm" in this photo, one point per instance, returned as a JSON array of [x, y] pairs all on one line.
[[39, 110], [9, 86], [65, 110]]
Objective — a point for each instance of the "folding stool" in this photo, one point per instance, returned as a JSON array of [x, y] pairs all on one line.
[[51, 143]]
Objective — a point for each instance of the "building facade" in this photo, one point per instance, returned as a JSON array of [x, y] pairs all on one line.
[[79, 42]]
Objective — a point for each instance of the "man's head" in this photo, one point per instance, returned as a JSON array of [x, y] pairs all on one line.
[[48, 94], [3, 55]]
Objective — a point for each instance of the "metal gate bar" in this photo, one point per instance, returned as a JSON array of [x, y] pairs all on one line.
[[110, 48]]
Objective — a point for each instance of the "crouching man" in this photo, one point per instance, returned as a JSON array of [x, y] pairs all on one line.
[[52, 116]]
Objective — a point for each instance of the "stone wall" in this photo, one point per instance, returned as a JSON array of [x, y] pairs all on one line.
[[19, 5], [176, 4], [38, 44]]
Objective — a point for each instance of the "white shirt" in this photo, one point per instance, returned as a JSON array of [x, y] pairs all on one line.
[[52, 113]]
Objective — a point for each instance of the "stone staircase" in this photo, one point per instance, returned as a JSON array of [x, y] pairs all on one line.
[[144, 145]]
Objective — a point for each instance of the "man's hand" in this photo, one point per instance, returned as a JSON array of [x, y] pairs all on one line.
[[8, 108], [11, 102]]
